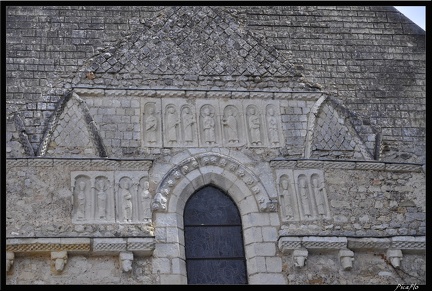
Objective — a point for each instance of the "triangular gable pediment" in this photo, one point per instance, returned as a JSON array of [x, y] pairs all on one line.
[[192, 46], [72, 131]]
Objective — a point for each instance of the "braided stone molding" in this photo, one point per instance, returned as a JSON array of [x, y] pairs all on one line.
[[19, 124], [405, 243], [403, 168], [408, 243], [30, 245], [309, 164], [109, 245], [161, 93], [348, 165], [139, 246], [326, 243], [370, 166], [16, 163], [92, 164], [339, 165], [369, 243]]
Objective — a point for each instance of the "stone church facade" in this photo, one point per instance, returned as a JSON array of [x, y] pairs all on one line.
[[288, 142]]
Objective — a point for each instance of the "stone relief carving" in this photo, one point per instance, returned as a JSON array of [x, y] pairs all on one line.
[[272, 126], [302, 195], [151, 125], [208, 124], [254, 125], [288, 198], [97, 200], [172, 123], [188, 122], [230, 122], [126, 199], [81, 198], [177, 122]]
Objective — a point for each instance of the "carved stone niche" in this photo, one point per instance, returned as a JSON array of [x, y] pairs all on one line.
[[132, 196], [302, 195], [93, 197], [211, 122], [108, 197]]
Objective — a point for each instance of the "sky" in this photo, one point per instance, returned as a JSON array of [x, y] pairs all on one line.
[[416, 13]]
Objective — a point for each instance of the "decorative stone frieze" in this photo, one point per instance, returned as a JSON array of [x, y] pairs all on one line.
[[108, 196], [176, 122]]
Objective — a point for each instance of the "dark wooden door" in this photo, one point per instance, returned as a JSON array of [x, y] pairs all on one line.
[[213, 239]]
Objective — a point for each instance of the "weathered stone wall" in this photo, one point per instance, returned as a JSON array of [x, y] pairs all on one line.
[[371, 56], [329, 186]]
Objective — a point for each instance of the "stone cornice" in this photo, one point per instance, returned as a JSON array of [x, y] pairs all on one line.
[[404, 243], [139, 246], [114, 164], [196, 93]]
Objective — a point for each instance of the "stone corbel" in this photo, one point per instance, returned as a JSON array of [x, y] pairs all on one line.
[[299, 257], [126, 259], [10, 256], [346, 258], [395, 257], [59, 260]]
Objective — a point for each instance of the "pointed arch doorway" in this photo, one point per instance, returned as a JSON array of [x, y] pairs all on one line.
[[213, 239]]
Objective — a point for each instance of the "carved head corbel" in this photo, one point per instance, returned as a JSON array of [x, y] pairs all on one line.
[[10, 256], [299, 257], [395, 257], [346, 258], [126, 259], [59, 260]]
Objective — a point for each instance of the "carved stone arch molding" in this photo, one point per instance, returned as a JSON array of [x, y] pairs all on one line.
[[193, 171], [216, 169]]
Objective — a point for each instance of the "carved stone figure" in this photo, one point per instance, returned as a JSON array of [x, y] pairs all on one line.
[[151, 126], [172, 124], [159, 202], [188, 122], [319, 194], [304, 197], [126, 196], [288, 207], [101, 198], [230, 123], [208, 127], [81, 200], [145, 198], [254, 127], [272, 127]]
